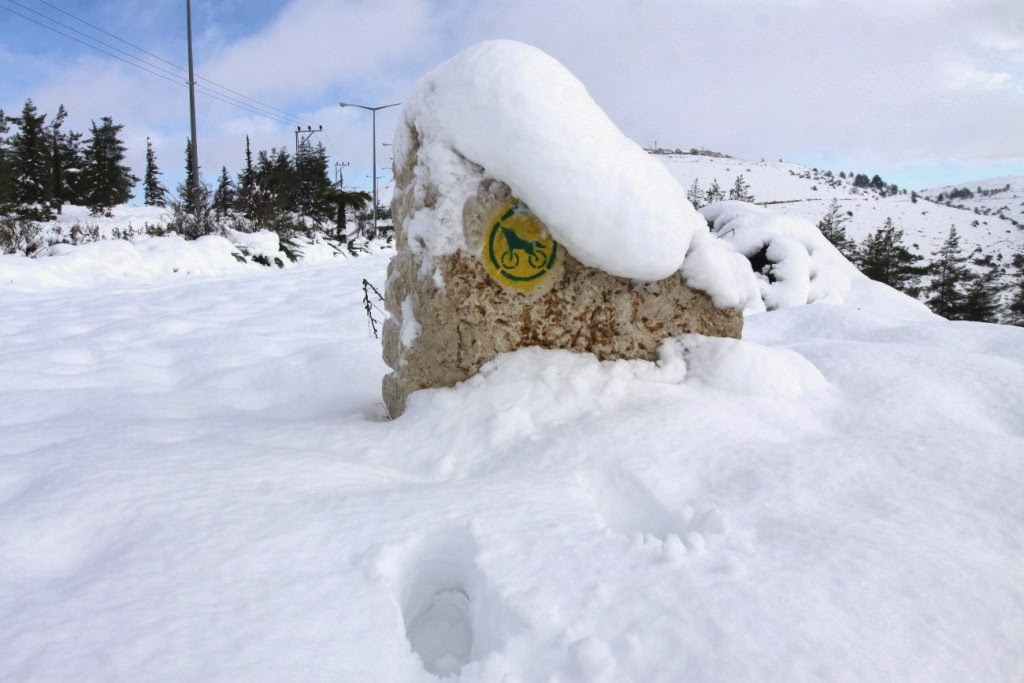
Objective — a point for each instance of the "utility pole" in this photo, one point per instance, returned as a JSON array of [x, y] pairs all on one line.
[[306, 135], [339, 174], [192, 110]]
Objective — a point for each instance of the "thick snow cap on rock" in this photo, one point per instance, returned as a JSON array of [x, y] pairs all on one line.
[[523, 118]]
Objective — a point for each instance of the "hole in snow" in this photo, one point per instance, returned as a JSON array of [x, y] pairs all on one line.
[[442, 634]]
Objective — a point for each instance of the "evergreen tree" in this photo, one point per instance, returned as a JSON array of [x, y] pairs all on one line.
[[192, 207], [246, 184], [1015, 303], [714, 193], [6, 169], [695, 194], [283, 180], [57, 160], [949, 274], [884, 257], [273, 198], [30, 158], [274, 184], [188, 189], [66, 162], [68, 167], [740, 190], [983, 298], [107, 181], [831, 226], [224, 195], [311, 182], [154, 193]]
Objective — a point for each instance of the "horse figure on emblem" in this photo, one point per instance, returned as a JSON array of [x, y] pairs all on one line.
[[536, 255]]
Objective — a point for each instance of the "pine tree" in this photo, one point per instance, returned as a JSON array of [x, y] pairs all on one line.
[[57, 160], [154, 193], [274, 190], [30, 158], [6, 169], [68, 169], [714, 193], [983, 298], [1015, 302], [246, 184], [66, 163], [949, 275], [224, 195], [695, 194], [884, 257], [311, 182], [740, 190], [189, 188], [107, 181], [831, 226], [191, 209]]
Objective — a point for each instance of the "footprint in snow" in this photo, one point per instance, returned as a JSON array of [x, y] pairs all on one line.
[[451, 613]]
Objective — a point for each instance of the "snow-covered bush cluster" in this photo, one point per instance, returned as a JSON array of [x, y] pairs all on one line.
[[793, 262]]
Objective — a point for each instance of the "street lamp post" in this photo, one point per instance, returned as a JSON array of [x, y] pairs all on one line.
[[374, 111]]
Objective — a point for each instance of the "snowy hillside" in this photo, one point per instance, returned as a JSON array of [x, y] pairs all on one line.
[[1003, 196], [197, 484], [799, 191]]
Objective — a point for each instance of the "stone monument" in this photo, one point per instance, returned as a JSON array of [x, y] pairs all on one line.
[[500, 279]]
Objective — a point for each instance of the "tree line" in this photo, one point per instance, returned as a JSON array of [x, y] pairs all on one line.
[[45, 166]]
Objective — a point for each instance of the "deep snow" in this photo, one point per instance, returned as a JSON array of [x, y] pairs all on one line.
[[197, 483]]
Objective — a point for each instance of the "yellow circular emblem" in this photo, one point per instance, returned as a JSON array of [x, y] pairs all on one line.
[[519, 251]]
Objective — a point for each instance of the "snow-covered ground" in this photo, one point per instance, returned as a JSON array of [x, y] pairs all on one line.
[[158, 259], [798, 191], [197, 483]]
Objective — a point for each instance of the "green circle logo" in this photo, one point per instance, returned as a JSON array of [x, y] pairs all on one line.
[[519, 252]]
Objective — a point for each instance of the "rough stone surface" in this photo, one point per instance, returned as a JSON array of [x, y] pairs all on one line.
[[463, 316]]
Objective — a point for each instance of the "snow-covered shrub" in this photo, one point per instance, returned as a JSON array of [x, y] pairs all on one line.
[[794, 263], [19, 235]]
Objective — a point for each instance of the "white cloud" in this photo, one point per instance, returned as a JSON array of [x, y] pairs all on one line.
[[961, 76], [859, 86], [315, 47]]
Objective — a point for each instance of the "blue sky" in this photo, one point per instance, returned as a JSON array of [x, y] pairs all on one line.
[[918, 91]]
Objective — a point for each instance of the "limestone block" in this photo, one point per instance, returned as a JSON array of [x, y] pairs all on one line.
[[511, 286]]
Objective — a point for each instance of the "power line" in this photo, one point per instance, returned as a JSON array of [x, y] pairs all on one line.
[[108, 33], [77, 40], [331, 143], [86, 36], [169, 63], [236, 99], [227, 99]]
